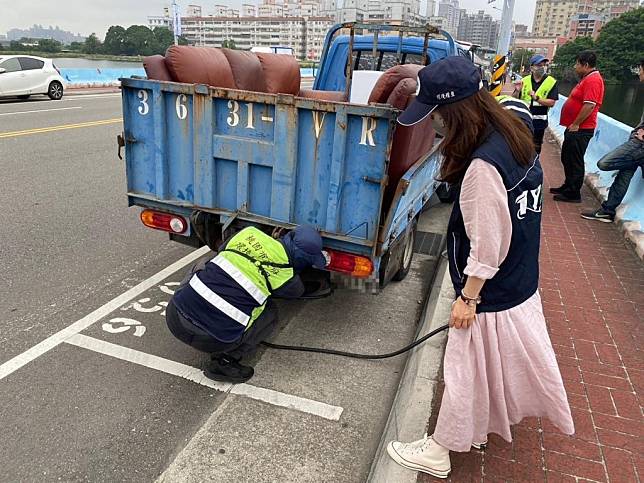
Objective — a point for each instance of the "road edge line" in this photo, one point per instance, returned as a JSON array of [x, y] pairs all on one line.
[[59, 337], [412, 404]]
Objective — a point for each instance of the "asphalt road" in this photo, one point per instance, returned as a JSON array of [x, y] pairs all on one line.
[[117, 398]]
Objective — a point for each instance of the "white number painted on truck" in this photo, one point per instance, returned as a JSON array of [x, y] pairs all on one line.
[[233, 115], [182, 109], [233, 119], [144, 108]]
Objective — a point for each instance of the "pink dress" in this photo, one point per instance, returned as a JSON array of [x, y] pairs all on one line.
[[503, 368]]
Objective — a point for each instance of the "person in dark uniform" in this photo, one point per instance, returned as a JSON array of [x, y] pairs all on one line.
[[224, 307], [540, 91]]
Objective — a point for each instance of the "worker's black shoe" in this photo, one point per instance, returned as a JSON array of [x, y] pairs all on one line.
[[567, 198], [226, 369], [558, 190]]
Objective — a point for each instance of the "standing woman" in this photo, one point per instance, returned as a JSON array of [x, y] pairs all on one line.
[[499, 364]]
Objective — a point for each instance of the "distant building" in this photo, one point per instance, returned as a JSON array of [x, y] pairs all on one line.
[[554, 17], [248, 10], [391, 11], [546, 46], [159, 21], [611, 9], [439, 22], [479, 28], [431, 9], [193, 11], [304, 35], [585, 25], [449, 10], [521, 30], [40, 32]]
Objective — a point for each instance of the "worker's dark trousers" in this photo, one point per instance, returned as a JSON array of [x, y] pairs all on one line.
[[187, 332], [538, 138], [573, 150]]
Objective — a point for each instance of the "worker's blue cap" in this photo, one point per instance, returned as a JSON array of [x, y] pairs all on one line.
[[304, 245], [446, 81], [537, 59]]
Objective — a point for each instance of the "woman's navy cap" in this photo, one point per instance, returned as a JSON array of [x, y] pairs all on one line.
[[448, 80]]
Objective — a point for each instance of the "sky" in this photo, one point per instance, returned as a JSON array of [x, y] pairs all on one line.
[[87, 16]]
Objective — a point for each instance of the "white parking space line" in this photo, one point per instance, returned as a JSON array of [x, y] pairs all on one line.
[[80, 97], [284, 400], [40, 110], [193, 374], [148, 360], [54, 340]]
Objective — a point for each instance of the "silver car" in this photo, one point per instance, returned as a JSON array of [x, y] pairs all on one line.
[[24, 75]]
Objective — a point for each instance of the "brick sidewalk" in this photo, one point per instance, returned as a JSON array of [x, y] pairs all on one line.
[[592, 285]]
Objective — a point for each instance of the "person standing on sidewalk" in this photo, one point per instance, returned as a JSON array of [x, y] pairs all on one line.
[[539, 90], [624, 159], [579, 116], [499, 364]]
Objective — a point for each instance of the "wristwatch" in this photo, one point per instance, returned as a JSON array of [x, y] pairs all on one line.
[[472, 302]]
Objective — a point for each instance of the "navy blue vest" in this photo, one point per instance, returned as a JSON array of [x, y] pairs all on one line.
[[518, 276], [201, 313]]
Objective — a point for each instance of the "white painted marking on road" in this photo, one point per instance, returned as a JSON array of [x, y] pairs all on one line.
[[46, 345], [90, 96], [194, 374], [284, 400], [40, 110], [147, 360]]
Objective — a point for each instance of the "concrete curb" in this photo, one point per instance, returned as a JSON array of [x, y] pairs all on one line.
[[632, 230], [413, 402]]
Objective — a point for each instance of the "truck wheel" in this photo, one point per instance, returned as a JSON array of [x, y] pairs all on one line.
[[55, 91], [408, 253]]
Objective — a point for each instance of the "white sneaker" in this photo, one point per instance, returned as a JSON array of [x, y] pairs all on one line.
[[424, 455]]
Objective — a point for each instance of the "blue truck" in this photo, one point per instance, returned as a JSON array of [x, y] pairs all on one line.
[[240, 158]]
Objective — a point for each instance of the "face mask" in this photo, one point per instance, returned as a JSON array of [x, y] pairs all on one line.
[[540, 71], [438, 124]]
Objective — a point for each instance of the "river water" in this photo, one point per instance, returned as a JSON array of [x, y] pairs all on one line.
[[74, 63], [624, 102]]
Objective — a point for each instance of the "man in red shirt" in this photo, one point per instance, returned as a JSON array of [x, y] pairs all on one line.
[[579, 116]]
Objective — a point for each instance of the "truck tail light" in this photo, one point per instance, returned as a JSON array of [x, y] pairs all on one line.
[[164, 221], [354, 265]]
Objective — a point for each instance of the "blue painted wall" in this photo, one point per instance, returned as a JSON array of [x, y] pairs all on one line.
[[608, 135], [85, 77]]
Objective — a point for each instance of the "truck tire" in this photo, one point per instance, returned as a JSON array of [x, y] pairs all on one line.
[[408, 253]]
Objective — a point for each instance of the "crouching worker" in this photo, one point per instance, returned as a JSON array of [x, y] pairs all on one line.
[[224, 307]]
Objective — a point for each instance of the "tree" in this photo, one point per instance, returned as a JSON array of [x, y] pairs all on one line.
[[164, 39], [49, 45], [619, 45], [563, 64], [228, 44], [114, 40], [521, 60], [92, 44], [77, 46], [139, 40]]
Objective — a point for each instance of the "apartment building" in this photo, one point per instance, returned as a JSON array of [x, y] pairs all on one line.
[[479, 28], [553, 17]]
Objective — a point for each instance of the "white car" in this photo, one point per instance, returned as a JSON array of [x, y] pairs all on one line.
[[24, 75]]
